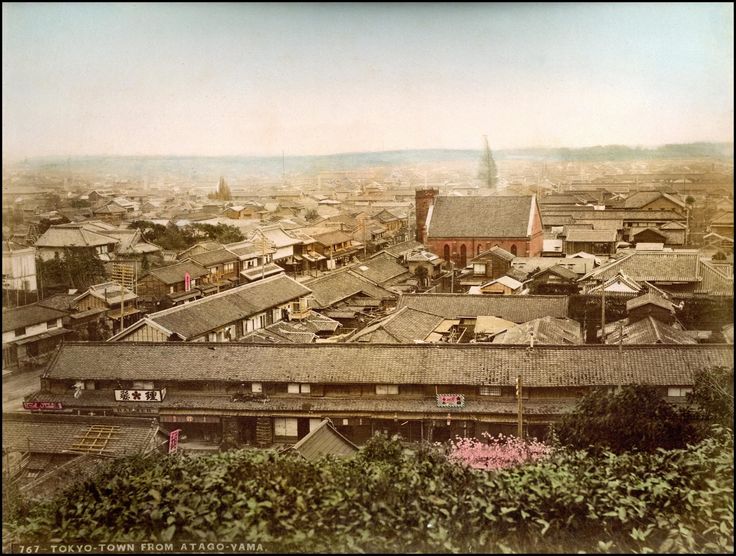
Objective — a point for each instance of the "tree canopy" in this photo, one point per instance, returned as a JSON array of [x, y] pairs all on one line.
[[488, 172], [634, 417]]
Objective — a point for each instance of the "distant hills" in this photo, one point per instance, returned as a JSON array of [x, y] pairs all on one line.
[[196, 168]]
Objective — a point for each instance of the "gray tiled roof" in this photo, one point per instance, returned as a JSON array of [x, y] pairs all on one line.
[[583, 365], [671, 267], [173, 274], [547, 330], [324, 440], [26, 315], [316, 405], [56, 433], [201, 316], [380, 268], [210, 258], [516, 308], [480, 217], [404, 326], [647, 331], [649, 298], [403, 248], [340, 285]]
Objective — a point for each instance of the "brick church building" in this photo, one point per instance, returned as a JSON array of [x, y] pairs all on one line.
[[459, 228]]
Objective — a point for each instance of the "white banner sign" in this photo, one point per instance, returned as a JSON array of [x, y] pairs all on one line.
[[132, 395]]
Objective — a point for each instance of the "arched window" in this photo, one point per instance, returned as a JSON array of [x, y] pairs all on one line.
[[513, 249], [446, 254], [463, 255]]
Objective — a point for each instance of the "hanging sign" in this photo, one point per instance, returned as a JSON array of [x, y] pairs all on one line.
[[450, 400]]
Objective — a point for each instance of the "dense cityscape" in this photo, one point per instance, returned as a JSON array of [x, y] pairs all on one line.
[[487, 349]]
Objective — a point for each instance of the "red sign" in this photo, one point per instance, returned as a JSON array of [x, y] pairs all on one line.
[[450, 400], [42, 405], [174, 441], [187, 282]]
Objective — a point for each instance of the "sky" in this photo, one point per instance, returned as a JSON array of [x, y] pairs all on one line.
[[262, 79]]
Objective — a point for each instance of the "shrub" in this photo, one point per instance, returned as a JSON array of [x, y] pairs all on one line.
[[498, 453], [405, 501], [634, 417]]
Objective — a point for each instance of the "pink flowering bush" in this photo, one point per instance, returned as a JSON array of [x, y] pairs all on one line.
[[497, 452]]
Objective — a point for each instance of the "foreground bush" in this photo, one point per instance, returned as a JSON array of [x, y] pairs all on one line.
[[389, 499]]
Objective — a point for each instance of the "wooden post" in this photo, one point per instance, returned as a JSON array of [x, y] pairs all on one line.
[[519, 408], [603, 313]]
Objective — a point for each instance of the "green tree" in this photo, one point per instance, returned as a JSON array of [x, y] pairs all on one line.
[[488, 172], [311, 215], [713, 396], [633, 418]]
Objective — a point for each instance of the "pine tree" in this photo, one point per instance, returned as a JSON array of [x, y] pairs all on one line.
[[223, 191], [488, 172]]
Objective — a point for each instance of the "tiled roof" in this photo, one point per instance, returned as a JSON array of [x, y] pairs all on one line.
[[584, 365], [492, 217], [337, 286], [579, 265], [561, 271], [629, 215], [332, 238], [607, 236], [210, 258], [26, 315], [317, 406], [380, 269], [498, 252], [546, 330], [403, 326], [324, 440], [173, 274], [403, 248], [56, 433], [649, 298], [198, 317], [668, 267], [73, 236], [516, 308], [647, 331], [643, 198]]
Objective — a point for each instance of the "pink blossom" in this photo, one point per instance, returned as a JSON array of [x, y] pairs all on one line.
[[496, 452]]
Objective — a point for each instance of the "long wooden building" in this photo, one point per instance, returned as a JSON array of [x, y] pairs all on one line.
[[264, 394]]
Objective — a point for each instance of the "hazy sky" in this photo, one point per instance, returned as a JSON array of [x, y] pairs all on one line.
[[226, 79]]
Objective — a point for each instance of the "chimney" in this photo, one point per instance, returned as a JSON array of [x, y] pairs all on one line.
[[423, 199]]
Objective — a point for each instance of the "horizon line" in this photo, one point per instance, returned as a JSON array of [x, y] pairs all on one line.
[[15, 159]]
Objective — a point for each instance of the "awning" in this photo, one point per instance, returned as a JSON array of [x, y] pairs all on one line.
[[43, 336], [261, 272]]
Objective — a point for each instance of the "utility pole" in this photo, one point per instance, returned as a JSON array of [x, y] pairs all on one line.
[[519, 409], [603, 313], [452, 276]]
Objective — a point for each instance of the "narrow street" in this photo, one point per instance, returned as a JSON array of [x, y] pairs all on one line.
[[18, 385]]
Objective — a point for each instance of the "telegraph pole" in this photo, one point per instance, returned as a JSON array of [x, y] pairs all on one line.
[[603, 313]]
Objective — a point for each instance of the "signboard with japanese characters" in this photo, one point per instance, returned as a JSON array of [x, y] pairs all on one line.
[[450, 400], [42, 405], [132, 395], [174, 441]]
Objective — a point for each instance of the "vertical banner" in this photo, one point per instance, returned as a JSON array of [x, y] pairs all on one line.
[[174, 441], [187, 282]]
